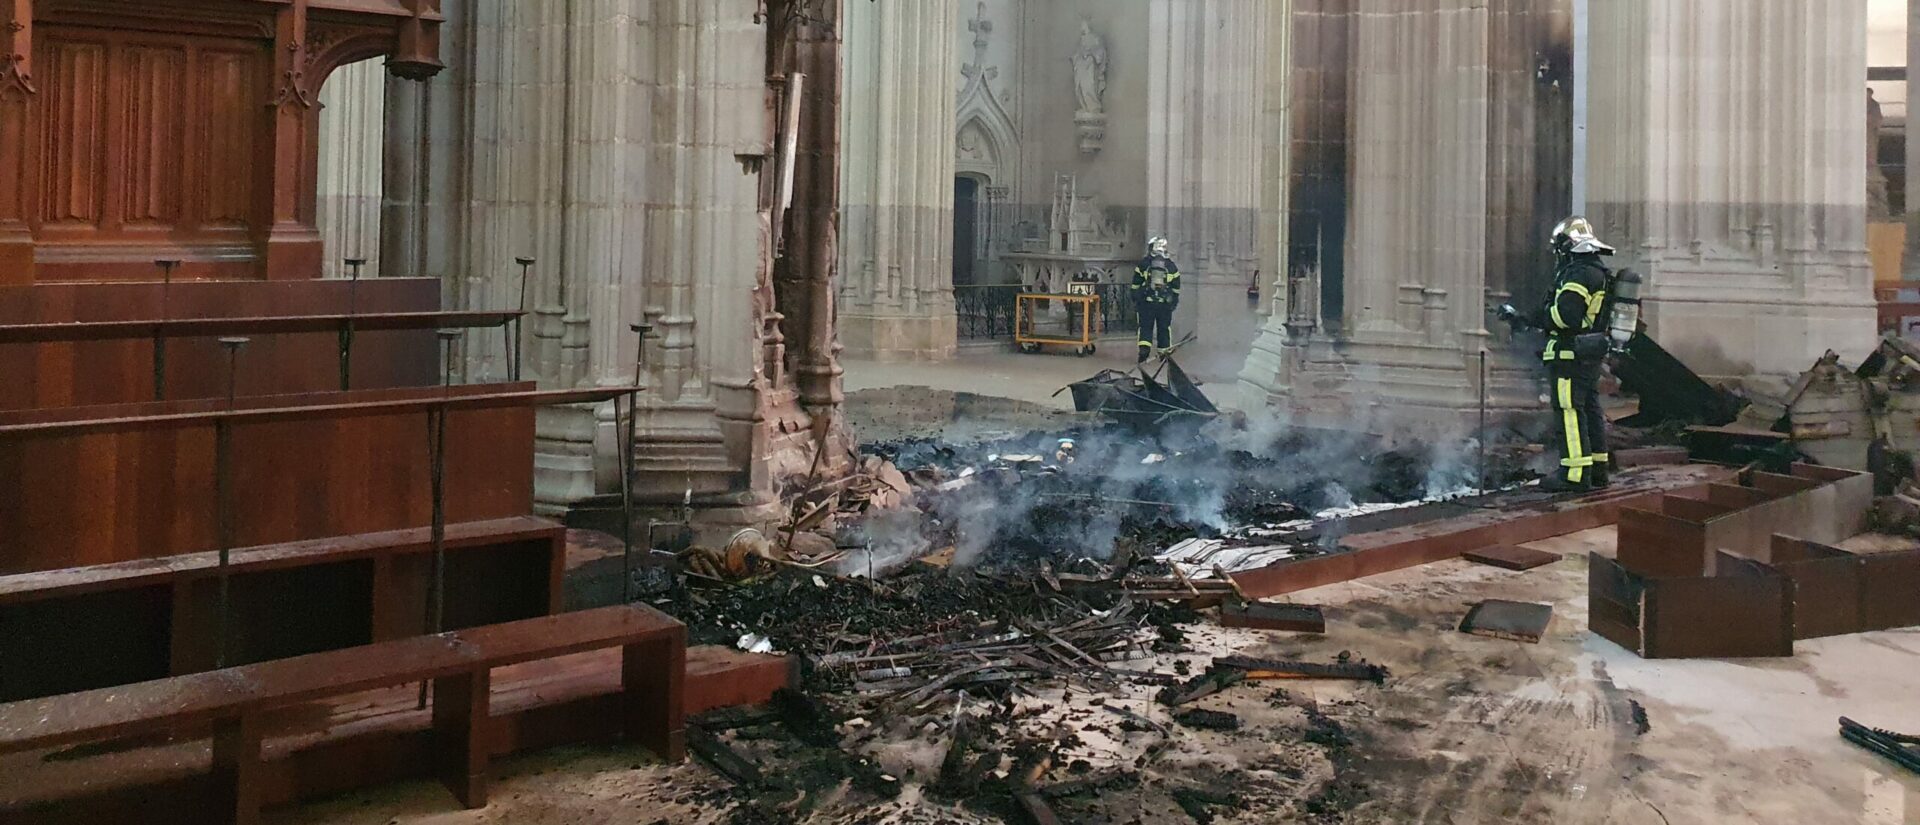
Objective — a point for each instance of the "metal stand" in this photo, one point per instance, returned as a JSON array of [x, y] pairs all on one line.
[[436, 480], [223, 502], [159, 338], [627, 463], [513, 331], [346, 329]]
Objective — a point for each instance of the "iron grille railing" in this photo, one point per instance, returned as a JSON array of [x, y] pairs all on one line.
[[986, 312]]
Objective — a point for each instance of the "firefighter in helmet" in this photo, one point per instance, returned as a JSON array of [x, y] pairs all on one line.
[[1577, 346], [1156, 294]]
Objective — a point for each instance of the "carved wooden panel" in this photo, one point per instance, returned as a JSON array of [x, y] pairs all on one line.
[[73, 120], [177, 130], [154, 133], [226, 129], [152, 142]]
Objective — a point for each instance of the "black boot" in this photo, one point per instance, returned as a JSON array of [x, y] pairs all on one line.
[[1558, 483], [1597, 477], [1145, 352]]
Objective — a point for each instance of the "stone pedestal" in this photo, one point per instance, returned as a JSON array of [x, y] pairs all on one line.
[[897, 179], [1748, 216]]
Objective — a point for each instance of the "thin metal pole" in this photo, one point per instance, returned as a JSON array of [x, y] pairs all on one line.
[[436, 481], [627, 463], [1481, 440], [513, 346], [160, 338], [346, 329], [223, 502], [438, 423]]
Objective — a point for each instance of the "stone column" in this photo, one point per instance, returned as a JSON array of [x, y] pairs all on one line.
[[1910, 263], [1205, 146], [1399, 353], [896, 294], [352, 134], [697, 245], [1727, 163], [1264, 361]]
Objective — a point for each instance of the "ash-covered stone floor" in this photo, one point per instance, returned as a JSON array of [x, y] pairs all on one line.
[[1467, 730]]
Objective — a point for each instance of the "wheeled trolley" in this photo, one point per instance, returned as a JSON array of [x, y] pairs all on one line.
[[1036, 324]]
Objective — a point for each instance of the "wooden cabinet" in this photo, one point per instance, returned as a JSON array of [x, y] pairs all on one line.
[[177, 129]]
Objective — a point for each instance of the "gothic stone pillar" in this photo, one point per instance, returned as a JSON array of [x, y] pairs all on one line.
[[1403, 357], [896, 298], [1205, 147], [1727, 163]]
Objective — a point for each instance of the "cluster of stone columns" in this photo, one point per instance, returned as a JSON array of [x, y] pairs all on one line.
[[1726, 159], [623, 145], [1206, 148], [896, 292], [1401, 353]]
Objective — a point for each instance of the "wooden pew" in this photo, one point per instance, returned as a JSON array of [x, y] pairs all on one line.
[[81, 628], [115, 484], [236, 702]]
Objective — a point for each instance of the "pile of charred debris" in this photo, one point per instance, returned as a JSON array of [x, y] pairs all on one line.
[[994, 628]]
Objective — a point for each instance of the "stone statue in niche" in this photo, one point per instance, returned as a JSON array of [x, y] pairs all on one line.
[[970, 146], [1090, 65], [1877, 207]]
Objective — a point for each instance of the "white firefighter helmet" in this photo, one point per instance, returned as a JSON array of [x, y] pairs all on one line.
[[1157, 245], [1575, 236]]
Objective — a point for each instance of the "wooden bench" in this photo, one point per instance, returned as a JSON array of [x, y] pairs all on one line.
[[235, 702], [82, 628]]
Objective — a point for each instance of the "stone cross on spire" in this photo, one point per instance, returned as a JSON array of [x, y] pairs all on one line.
[[981, 27]]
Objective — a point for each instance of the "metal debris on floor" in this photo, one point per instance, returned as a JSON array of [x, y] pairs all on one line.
[[1902, 749]]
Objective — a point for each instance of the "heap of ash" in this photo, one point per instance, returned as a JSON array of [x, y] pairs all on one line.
[[943, 695], [1015, 678]]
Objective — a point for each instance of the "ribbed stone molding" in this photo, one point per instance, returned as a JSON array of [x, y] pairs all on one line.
[[896, 239], [1727, 161]]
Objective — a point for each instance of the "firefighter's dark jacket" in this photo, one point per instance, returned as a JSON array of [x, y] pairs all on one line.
[[1143, 290], [1579, 294]]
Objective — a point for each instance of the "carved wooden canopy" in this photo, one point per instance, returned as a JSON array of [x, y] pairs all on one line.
[[140, 130]]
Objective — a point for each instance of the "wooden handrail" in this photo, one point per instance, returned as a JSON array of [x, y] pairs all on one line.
[[263, 325], [430, 399], [65, 582]]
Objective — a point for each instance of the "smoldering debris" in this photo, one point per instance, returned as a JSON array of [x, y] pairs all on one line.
[[1108, 494], [990, 623]]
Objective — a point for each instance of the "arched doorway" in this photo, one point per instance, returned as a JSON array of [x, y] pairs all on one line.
[[969, 227]]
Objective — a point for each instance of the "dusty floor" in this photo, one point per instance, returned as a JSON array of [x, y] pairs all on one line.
[[1468, 730]]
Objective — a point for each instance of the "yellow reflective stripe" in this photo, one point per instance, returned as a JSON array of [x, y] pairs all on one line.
[[1576, 287], [1576, 460], [1555, 312], [1602, 458]]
